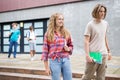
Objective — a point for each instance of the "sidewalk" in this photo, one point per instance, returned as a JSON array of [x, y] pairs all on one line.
[[77, 62]]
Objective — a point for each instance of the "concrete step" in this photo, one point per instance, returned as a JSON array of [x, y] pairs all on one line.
[[30, 71], [21, 76], [112, 77], [22, 70], [41, 72]]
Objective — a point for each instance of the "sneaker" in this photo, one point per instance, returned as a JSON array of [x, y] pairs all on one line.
[[8, 56], [32, 59], [14, 56]]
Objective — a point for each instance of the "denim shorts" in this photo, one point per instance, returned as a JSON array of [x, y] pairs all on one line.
[[32, 45]]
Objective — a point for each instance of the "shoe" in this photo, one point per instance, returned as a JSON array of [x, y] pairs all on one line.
[[32, 59], [14, 56], [8, 56]]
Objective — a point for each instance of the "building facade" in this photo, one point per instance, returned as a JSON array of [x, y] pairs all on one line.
[[77, 13]]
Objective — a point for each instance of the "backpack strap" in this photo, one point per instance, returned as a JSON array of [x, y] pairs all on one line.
[[28, 34]]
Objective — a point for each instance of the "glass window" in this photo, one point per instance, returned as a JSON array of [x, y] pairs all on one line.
[[25, 41], [18, 26], [39, 48], [39, 32], [6, 49], [38, 24], [6, 33], [6, 41], [39, 40], [18, 48], [6, 27], [26, 48], [27, 25], [25, 32]]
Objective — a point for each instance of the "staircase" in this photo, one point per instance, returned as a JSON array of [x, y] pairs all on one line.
[[16, 73]]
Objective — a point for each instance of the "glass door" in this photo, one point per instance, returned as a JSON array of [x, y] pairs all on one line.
[[6, 30]]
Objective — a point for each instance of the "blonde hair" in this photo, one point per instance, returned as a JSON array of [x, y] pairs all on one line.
[[96, 10], [52, 27]]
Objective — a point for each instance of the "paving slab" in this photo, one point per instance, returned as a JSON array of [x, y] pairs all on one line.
[[77, 62]]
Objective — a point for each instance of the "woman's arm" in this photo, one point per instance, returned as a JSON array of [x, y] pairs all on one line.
[[47, 69], [69, 45], [45, 52]]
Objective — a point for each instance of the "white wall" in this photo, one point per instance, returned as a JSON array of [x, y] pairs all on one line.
[[77, 15]]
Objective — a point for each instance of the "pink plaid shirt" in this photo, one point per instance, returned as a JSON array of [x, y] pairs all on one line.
[[55, 49]]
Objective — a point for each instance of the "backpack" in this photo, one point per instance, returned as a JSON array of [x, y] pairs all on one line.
[[10, 36], [28, 33]]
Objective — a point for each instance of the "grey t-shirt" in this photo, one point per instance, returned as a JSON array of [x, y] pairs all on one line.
[[97, 32]]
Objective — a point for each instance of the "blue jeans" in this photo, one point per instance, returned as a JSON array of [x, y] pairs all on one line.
[[15, 44], [60, 66]]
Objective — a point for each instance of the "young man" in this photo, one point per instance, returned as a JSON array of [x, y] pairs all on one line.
[[96, 41], [14, 39]]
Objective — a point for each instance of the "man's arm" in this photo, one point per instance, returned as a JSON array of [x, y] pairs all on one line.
[[86, 45], [108, 49]]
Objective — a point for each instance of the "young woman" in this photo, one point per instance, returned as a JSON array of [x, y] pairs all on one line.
[[96, 41], [57, 47], [31, 37]]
